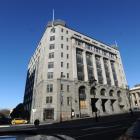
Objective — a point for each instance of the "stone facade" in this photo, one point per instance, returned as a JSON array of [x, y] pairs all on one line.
[[57, 85], [135, 96]]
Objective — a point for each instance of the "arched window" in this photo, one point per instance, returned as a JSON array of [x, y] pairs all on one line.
[[82, 94], [111, 92], [102, 92], [93, 91], [119, 93]]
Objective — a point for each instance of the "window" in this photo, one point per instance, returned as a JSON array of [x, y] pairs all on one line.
[[52, 38], [61, 46], [77, 42], [61, 64], [111, 93], [50, 88], [61, 54], [53, 30], [67, 39], [49, 99], [68, 101], [61, 86], [51, 46], [67, 47], [93, 91], [67, 65], [102, 92], [61, 37], [50, 65], [119, 93], [68, 88], [62, 75], [51, 55], [67, 32], [50, 75], [67, 56], [62, 30], [48, 114], [67, 75]]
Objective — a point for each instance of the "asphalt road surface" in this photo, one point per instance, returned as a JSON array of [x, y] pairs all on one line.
[[108, 128]]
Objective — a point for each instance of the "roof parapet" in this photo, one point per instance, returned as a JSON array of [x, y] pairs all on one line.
[[56, 22]]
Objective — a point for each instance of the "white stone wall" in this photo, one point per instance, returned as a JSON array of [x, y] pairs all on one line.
[[40, 62], [135, 97]]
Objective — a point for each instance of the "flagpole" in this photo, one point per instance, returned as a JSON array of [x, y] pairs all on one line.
[[53, 18]]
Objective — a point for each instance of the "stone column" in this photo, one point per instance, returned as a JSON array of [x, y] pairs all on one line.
[[111, 74], [88, 101], [108, 107], [133, 98], [137, 98], [94, 67], [74, 65], [99, 107], [103, 71], [118, 73], [85, 66], [116, 107]]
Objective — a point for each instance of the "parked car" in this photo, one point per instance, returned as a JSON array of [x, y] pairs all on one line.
[[4, 120], [19, 121]]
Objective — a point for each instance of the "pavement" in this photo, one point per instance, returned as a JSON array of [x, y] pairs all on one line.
[[109, 127]]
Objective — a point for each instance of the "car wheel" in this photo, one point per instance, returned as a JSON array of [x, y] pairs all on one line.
[[13, 123]]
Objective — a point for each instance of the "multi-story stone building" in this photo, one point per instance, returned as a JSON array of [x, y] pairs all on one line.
[[135, 96], [57, 86]]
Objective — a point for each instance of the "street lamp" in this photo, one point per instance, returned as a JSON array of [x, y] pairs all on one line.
[[129, 99], [93, 82], [61, 97], [72, 110]]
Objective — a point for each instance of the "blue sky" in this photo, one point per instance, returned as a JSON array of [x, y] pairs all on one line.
[[23, 22]]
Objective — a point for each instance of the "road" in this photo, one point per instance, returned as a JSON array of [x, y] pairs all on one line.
[[108, 128]]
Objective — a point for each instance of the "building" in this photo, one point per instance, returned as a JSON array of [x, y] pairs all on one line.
[[135, 96], [57, 85]]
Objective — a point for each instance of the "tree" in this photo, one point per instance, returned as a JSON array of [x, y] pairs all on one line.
[[20, 112], [5, 112]]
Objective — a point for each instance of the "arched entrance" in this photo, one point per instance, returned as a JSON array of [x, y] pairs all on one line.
[[82, 99], [103, 93], [93, 100]]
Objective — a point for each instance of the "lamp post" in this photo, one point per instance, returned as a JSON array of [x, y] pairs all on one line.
[[129, 99], [61, 97], [72, 110], [93, 82]]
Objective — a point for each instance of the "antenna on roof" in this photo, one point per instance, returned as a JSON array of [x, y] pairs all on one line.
[[116, 44], [53, 18]]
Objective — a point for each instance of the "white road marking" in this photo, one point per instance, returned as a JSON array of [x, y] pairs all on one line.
[[3, 126]]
